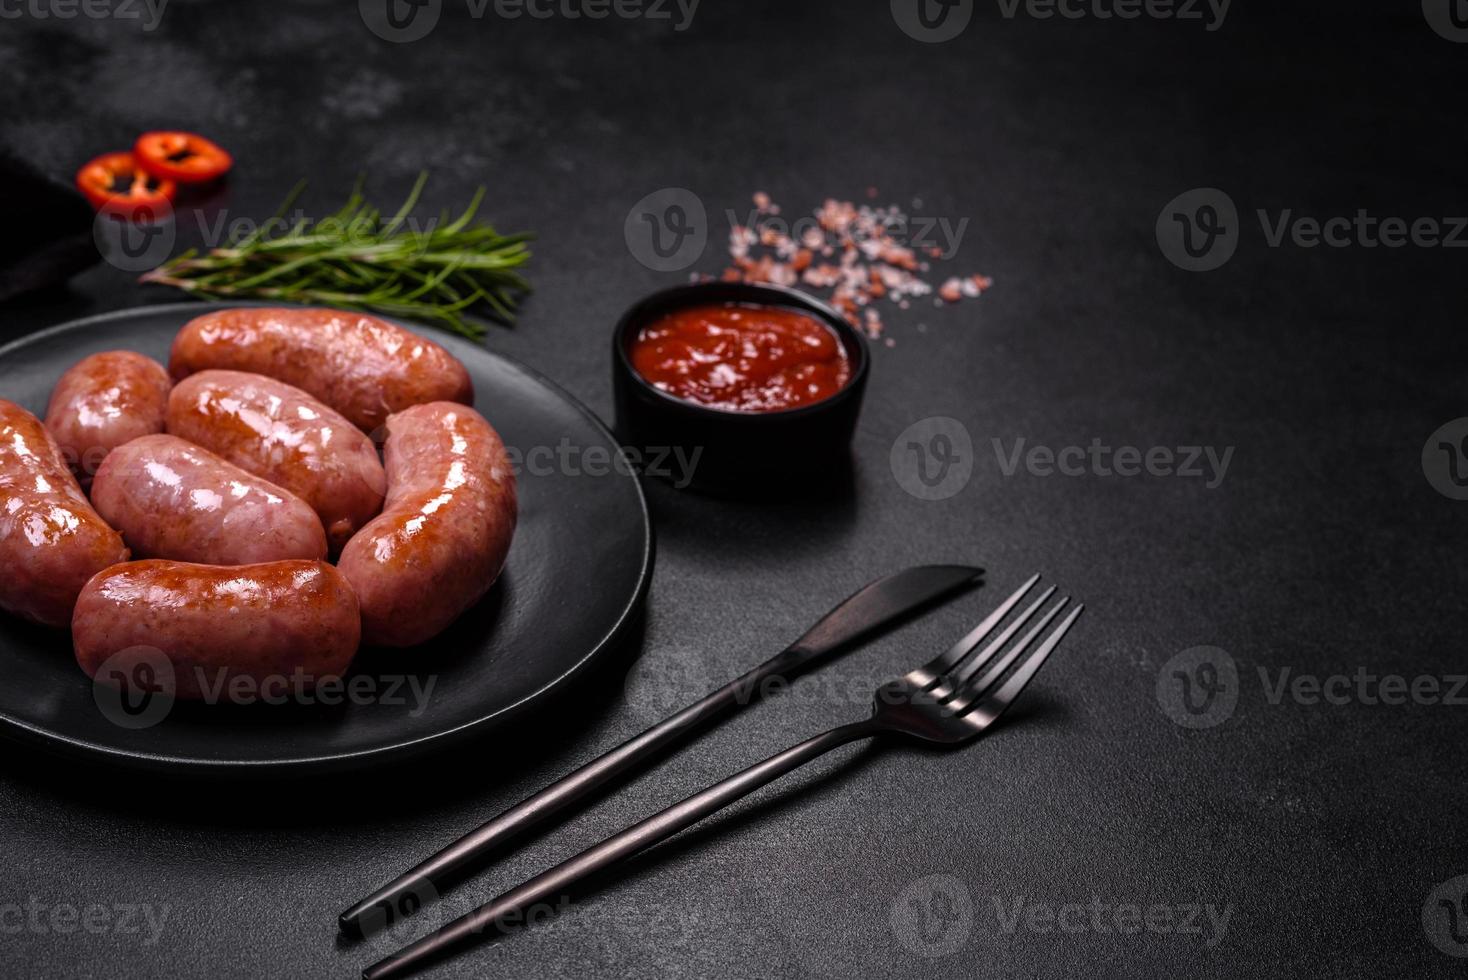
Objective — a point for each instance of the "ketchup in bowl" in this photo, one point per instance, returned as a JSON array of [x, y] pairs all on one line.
[[741, 357]]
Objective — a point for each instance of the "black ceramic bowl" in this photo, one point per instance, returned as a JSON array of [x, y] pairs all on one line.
[[768, 452]]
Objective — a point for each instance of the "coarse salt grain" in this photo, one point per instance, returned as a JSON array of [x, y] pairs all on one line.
[[872, 264]]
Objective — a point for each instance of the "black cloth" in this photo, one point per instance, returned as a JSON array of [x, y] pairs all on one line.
[[48, 229]]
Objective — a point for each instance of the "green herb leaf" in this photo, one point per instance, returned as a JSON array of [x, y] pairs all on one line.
[[355, 260]]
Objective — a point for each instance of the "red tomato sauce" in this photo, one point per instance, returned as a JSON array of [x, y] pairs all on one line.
[[742, 357]]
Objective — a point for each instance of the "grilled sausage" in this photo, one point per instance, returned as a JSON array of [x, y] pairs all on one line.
[[285, 436], [51, 540], [363, 367], [172, 499], [284, 621], [442, 538], [104, 401]]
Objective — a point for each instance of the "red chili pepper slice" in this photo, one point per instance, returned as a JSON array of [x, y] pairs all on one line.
[[185, 157], [114, 183]]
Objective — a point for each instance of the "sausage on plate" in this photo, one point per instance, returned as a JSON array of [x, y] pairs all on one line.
[[51, 540], [284, 622], [363, 367], [445, 530], [172, 499], [103, 401], [285, 436]]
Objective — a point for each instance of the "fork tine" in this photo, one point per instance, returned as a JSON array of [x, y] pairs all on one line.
[[967, 670], [995, 704], [941, 665], [991, 676]]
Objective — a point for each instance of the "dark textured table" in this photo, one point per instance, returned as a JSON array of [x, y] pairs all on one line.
[[1120, 824]]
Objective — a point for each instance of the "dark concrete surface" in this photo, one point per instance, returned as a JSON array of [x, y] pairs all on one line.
[[1319, 830]]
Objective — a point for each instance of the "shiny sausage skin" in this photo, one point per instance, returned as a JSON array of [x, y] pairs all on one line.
[[172, 499], [444, 533], [51, 540], [285, 436], [363, 367], [213, 623], [104, 401]]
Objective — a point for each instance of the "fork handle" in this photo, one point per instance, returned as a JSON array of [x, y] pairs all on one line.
[[872, 608], [513, 904], [415, 886]]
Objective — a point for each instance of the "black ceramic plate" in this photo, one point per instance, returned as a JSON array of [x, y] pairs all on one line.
[[541, 623]]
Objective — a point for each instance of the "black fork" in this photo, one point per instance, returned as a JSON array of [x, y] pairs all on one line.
[[951, 699]]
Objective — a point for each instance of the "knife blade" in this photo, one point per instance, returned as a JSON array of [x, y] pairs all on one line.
[[873, 608]]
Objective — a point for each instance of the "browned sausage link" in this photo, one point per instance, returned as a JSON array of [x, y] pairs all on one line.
[[363, 367], [283, 435], [172, 499], [51, 540], [446, 528], [200, 627], [104, 401]]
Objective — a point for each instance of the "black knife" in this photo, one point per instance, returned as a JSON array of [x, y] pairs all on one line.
[[878, 605]]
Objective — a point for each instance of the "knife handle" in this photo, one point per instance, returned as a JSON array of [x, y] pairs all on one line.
[[876, 606], [414, 888], [486, 920]]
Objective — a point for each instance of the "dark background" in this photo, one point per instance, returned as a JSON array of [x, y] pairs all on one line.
[[1324, 828]]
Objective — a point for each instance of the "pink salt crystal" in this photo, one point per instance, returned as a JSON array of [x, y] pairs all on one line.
[[868, 260]]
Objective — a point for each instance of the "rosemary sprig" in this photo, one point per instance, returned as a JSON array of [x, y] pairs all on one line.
[[357, 260]]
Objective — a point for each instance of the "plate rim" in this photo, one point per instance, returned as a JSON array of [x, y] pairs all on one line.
[[388, 754]]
